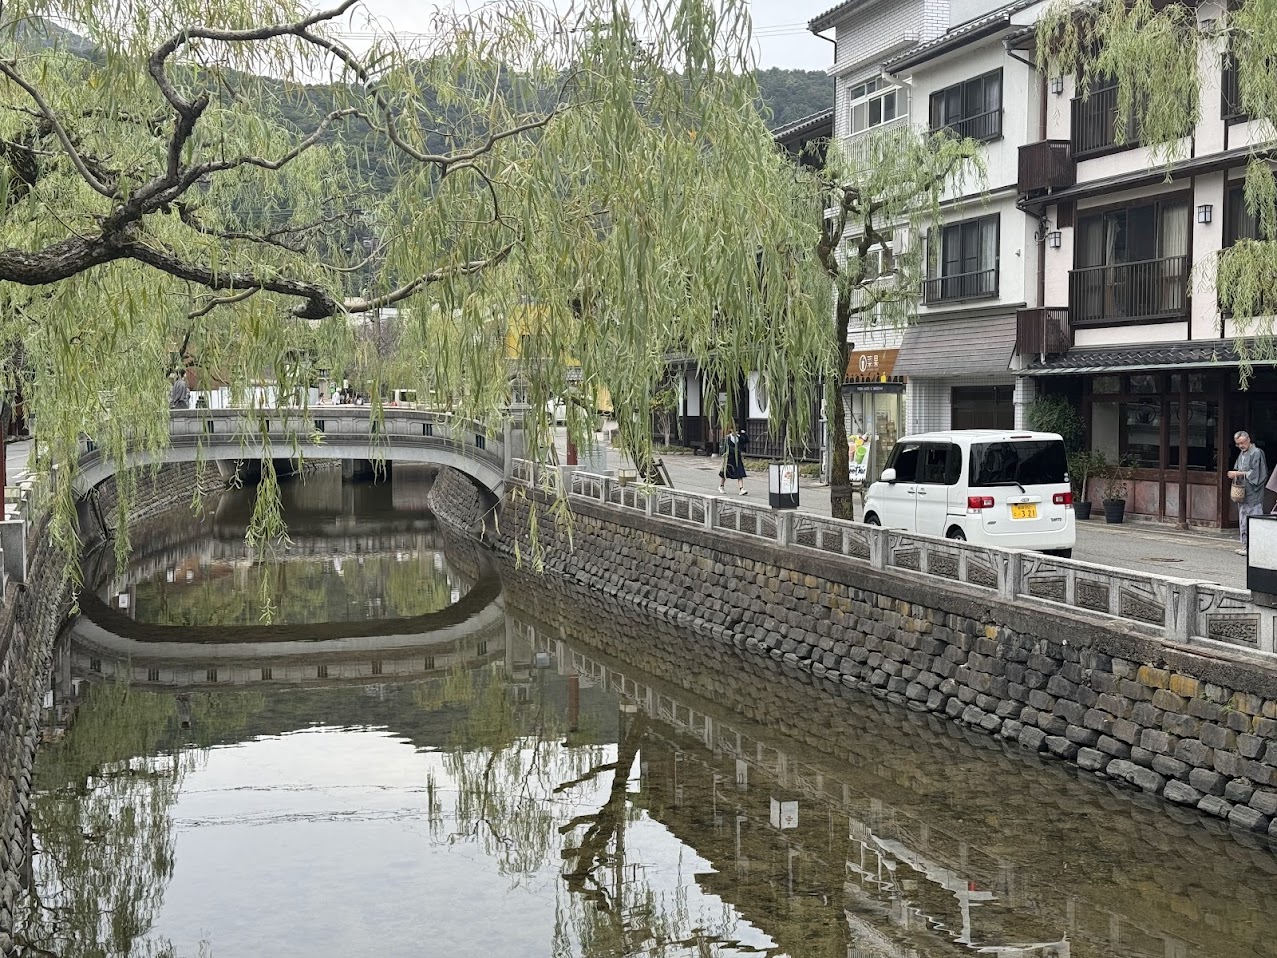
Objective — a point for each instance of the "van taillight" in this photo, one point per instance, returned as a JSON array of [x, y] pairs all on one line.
[[1063, 498], [979, 502]]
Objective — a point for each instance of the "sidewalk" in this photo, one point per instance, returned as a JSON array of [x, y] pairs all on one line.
[[1205, 556]]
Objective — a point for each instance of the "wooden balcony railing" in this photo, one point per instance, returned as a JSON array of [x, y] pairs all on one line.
[[1045, 166], [1043, 331], [978, 284], [1152, 289]]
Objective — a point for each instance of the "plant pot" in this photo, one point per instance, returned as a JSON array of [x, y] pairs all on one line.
[[1114, 509], [1082, 509]]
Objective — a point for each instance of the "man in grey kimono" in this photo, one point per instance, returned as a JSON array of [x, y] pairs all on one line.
[[1252, 470]]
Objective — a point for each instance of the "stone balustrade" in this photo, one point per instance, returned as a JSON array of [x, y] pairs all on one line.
[[1180, 610]]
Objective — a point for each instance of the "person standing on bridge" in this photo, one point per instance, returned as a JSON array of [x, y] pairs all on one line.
[[1248, 472], [734, 460], [179, 396]]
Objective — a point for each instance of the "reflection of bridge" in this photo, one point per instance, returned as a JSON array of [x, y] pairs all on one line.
[[325, 432]]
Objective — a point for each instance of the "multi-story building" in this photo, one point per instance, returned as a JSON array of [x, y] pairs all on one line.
[[871, 98], [1129, 325], [1085, 266]]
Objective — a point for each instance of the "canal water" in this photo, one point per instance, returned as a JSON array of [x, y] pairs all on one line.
[[413, 751]]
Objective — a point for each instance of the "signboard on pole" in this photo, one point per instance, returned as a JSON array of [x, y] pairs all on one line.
[[858, 448]]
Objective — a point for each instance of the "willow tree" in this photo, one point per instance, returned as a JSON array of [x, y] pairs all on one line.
[[597, 186], [879, 195], [1153, 52]]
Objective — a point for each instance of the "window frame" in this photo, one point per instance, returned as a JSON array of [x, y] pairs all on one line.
[[945, 287], [937, 111], [875, 90]]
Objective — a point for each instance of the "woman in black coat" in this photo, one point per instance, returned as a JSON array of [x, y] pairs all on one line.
[[734, 461]]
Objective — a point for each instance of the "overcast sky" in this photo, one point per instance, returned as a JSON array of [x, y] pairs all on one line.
[[780, 29]]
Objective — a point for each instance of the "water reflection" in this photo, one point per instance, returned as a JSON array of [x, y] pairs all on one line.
[[356, 553], [570, 778]]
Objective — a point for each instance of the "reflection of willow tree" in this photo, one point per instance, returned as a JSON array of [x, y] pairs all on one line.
[[370, 587], [515, 767], [100, 818]]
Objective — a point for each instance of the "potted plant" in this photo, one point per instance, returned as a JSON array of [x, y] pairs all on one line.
[[1083, 464], [1114, 493]]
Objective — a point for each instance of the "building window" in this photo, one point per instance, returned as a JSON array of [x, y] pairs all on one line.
[[1230, 95], [964, 261], [1131, 263], [266, 675], [321, 671], [1095, 122], [1239, 222], [482, 649], [873, 103], [972, 108], [376, 667], [95, 665], [210, 675], [152, 675], [429, 664]]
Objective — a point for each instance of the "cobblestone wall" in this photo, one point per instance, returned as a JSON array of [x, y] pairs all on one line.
[[33, 618], [1190, 729]]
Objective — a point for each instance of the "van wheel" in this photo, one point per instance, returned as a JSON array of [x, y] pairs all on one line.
[[956, 534], [871, 519]]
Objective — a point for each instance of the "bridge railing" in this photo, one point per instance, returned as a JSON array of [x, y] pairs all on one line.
[[1180, 610], [281, 427]]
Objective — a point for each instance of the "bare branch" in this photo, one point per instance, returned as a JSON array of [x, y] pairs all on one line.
[[216, 301], [447, 272]]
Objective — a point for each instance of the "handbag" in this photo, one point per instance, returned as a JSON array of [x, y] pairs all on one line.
[[1238, 491]]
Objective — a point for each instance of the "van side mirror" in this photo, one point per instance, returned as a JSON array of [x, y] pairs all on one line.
[[888, 475]]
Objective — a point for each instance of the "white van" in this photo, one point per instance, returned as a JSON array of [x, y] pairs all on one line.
[[986, 486]]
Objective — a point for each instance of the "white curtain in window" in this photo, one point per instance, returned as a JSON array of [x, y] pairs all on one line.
[[1173, 238]]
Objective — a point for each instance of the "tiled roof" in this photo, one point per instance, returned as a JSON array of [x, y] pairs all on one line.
[[1190, 355], [957, 36], [823, 21], [806, 125]]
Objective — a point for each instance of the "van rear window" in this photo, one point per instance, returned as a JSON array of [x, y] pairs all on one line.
[[1030, 463]]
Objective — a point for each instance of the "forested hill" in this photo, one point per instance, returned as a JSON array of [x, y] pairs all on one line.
[[793, 94]]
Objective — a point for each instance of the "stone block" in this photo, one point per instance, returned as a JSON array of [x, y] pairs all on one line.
[[1216, 736], [1061, 687], [1170, 767], [1207, 782], [1147, 715], [1090, 759], [1142, 756], [1181, 726], [1229, 763], [1152, 677], [1103, 682], [1237, 721], [1070, 711], [1181, 793], [1135, 691], [1127, 732], [1041, 701], [1194, 752], [1061, 746], [1051, 723], [1213, 805], [1247, 818], [1239, 790], [1111, 746], [1184, 685], [1115, 705], [1247, 703], [1144, 779], [1250, 746], [1100, 721], [1264, 800], [1157, 741], [1081, 736], [1168, 701], [1032, 738], [1264, 727], [1204, 709]]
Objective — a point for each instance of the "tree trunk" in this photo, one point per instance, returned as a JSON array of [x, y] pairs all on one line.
[[840, 502]]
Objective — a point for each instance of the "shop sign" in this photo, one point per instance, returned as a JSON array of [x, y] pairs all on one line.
[[871, 364], [858, 448]]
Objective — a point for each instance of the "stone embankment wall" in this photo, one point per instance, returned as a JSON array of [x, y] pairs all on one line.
[[1174, 723], [1025, 825], [33, 616]]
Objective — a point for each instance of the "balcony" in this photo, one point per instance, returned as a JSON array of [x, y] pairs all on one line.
[[1042, 332], [1129, 292], [1095, 125], [957, 287], [982, 126], [1046, 166]]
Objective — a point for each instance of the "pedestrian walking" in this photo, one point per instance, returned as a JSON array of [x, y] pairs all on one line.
[[1249, 474], [734, 460]]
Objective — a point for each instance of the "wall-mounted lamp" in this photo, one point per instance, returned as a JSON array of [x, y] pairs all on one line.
[[1204, 213], [1053, 239], [1057, 85]]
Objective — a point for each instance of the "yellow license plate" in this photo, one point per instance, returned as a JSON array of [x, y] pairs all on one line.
[[1025, 511]]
